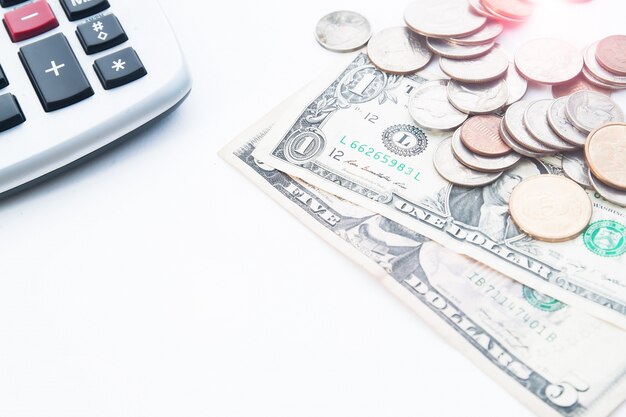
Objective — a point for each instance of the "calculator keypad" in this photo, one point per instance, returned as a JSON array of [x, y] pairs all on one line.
[[101, 34], [55, 72], [52, 67], [80, 9], [29, 21]]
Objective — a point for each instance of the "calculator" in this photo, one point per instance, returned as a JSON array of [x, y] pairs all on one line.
[[77, 76]]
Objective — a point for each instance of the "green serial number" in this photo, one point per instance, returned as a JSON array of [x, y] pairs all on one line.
[[376, 155]]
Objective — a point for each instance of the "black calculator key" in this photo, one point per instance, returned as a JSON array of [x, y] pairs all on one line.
[[55, 73], [4, 81], [9, 3], [10, 112], [101, 34], [80, 9], [119, 68]]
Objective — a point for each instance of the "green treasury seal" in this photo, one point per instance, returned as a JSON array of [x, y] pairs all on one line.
[[540, 301], [606, 238]]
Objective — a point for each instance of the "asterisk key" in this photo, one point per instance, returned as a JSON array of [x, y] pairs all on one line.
[[118, 65]]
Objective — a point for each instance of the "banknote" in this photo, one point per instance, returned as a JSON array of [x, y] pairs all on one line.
[[557, 359], [350, 133]]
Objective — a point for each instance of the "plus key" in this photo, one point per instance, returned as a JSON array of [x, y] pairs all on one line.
[[55, 73]]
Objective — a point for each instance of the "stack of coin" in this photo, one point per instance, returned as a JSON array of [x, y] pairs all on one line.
[[605, 63]]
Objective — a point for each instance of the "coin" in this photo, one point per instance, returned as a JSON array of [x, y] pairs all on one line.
[[456, 51], [508, 139], [550, 208], [575, 168], [548, 61], [478, 98], [536, 122], [588, 110], [517, 85], [592, 79], [598, 71], [557, 118], [514, 9], [486, 68], [497, 16], [514, 123], [430, 108], [579, 83], [343, 31], [480, 135], [455, 172], [481, 163], [443, 18], [478, 8], [609, 194], [606, 154], [487, 34], [611, 54], [398, 50]]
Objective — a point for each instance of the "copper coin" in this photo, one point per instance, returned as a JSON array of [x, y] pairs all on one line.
[[579, 83], [481, 135], [514, 9], [611, 54], [605, 151], [549, 61], [550, 208]]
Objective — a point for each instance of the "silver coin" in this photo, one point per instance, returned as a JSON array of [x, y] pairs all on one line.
[[430, 108], [548, 61], [455, 172], [517, 85], [588, 110], [608, 193], [487, 34], [597, 82], [443, 18], [508, 139], [598, 71], [478, 8], [557, 118], [536, 122], [343, 31], [576, 169], [452, 50], [480, 98], [514, 123], [399, 51], [481, 163], [486, 68]]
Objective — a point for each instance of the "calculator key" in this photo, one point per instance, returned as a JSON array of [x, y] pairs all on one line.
[[4, 81], [9, 3], [119, 68], [30, 20], [10, 112], [55, 73], [101, 34], [80, 9]]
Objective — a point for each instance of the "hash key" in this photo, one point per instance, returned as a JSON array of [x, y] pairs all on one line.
[[119, 68], [101, 34]]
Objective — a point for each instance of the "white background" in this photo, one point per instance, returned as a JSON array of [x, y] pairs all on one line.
[[157, 281]]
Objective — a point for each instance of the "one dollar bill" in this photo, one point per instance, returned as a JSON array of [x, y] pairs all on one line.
[[350, 133], [556, 359]]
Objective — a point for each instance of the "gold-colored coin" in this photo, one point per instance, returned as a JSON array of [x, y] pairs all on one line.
[[550, 208], [606, 154]]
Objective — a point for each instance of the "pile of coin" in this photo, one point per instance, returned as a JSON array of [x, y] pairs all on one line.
[[605, 63]]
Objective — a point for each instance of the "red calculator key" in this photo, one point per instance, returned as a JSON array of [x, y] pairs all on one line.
[[30, 20]]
